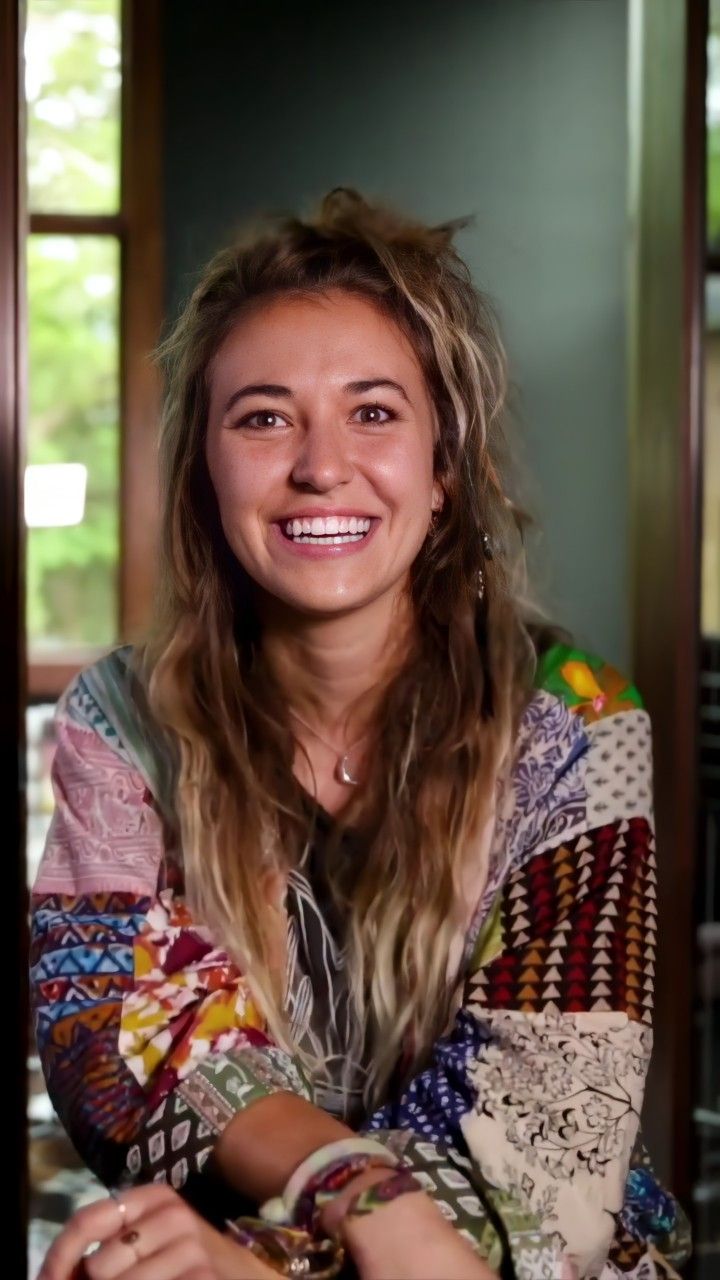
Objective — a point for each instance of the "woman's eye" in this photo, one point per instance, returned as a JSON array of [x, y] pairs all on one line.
[[261, 419], [380, 414]]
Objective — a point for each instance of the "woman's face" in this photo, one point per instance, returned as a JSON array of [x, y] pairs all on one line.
[[320, 449]]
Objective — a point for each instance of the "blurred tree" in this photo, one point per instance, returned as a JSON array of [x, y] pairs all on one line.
[[73, 407], [72, 86], [713, 140], [73, 98]]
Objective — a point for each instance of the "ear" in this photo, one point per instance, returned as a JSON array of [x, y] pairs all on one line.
[[438, 497]]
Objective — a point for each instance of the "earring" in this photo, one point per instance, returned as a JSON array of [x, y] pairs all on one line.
[[487, 550]]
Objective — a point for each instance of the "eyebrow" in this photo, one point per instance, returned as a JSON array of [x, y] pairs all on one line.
[[276, 389]]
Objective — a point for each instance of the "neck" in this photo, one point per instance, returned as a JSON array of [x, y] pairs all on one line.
[[333, 670]]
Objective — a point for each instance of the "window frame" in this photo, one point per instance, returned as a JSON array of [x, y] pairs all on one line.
[[138, 227]]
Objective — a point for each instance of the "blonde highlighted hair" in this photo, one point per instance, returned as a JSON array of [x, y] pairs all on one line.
[[447, 720]]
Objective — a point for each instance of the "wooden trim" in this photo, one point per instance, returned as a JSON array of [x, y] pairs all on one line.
[[12, 737], [76, 224], [139, 227], [48, 679], [667, 274], [142, 308]]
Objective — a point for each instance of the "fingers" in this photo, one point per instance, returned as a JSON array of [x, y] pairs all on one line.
[[100, 1221], [158, 1241], [172, 1261], [150, 1234]]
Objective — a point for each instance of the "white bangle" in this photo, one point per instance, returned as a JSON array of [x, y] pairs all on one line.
[[280, 1209]]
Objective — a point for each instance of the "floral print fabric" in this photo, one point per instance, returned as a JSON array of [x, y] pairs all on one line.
[[525, 1123]]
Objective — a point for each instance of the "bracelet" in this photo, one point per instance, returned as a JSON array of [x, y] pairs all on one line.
[[282, 1209], [288, 1250], [380, 1193], [325, 1186]]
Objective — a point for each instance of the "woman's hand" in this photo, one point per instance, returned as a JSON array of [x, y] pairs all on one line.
[[409, 1239], [149, 1233]]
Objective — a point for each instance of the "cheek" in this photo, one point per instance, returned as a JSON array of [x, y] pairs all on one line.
[[405, 476], [234, 482]]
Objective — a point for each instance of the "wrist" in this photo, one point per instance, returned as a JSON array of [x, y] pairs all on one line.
[[389, 1236], [411, 1238], [230, 1259], [333, 1215]]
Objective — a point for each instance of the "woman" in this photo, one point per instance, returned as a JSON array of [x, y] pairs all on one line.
[[353, 846]]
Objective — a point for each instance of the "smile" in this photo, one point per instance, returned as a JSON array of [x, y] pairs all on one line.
[[327, 531]]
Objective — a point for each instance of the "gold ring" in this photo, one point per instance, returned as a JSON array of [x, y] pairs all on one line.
[[130, 1238]]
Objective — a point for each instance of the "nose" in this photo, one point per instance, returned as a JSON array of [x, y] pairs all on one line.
[[323, 460]]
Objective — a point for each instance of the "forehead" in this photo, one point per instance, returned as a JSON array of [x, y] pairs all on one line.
[[303, 335]]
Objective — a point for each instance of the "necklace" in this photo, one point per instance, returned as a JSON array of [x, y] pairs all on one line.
[[342, 771]]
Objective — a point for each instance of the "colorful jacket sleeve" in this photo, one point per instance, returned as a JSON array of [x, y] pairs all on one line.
[[537, 1090], [148, 1035]]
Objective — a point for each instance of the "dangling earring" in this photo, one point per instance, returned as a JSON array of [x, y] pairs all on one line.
[[487, 550]]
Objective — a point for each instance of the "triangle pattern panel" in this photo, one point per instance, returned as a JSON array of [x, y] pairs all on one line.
[[578, 928]]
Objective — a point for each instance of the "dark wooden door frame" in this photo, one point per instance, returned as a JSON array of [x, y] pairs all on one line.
[[12, 646], [667, 266]]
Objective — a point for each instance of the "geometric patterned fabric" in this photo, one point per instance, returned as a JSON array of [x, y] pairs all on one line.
[[524, 1123]]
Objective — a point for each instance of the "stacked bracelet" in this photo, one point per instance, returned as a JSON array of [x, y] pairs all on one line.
[[374, 1197], [292, 1246], [335, 1164]]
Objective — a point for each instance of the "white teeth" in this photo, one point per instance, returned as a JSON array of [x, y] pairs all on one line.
[[328, 529], [330, 540]]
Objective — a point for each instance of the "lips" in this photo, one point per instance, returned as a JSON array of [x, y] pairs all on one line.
[[325, 536]]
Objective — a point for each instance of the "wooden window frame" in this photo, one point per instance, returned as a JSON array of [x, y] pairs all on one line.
[[12, 632], [667, 262], [139, 231]]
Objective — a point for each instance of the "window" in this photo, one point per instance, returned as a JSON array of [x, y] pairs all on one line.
[[93, 248], [94, 299]]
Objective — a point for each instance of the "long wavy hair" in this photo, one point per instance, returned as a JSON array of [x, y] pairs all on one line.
[[446, 721]]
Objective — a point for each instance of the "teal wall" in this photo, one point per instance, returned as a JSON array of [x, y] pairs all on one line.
[[511, 110]]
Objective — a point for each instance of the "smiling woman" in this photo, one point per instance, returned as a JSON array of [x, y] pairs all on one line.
[[320, 449], [347, 911]]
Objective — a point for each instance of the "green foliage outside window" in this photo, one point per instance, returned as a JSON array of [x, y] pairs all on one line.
[[72, 54], [72, 87], [73, 408]]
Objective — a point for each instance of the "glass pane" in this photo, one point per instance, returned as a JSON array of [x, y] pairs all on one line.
[[72, 86], [72, 568]]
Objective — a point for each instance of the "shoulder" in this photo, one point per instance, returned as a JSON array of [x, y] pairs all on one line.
[[84, 706], [606, 728], [106, 705], [582, 756], [585, 683]]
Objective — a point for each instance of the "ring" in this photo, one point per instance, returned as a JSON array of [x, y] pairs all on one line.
[[121, 1206], [130, 1238]]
